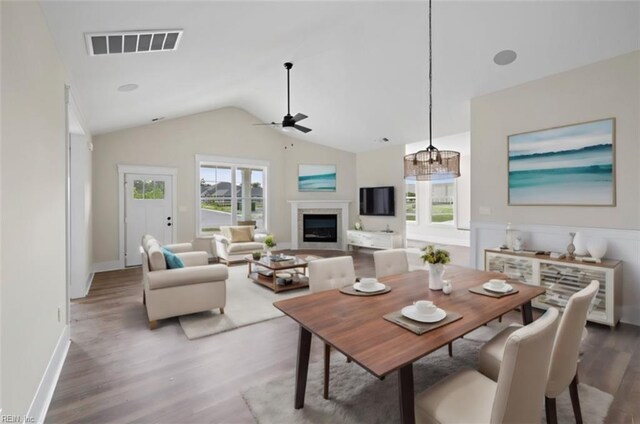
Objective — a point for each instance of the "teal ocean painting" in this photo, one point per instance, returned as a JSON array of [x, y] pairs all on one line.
[[572, 165], [317, 178]]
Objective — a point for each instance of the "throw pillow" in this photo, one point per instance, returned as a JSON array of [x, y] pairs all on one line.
[[172, 260], [240, 234]]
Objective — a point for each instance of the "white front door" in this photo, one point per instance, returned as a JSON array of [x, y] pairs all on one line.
[[148, 210]]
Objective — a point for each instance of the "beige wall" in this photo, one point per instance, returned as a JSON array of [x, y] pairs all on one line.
[[383, 167], [33, 203], [601, 90], [224, 132]]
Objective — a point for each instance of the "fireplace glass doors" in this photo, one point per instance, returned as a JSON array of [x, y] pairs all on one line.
[[320, 228]]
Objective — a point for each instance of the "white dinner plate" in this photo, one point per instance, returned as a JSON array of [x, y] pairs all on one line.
[[376, 288], [411, 313], [505, 289]]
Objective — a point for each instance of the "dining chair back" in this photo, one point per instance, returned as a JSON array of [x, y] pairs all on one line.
[[564, 357], [331, 273], [390, 262], [523, 374], [468, 396]]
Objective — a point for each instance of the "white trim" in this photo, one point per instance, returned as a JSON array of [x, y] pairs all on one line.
[[238, 163], [67, 205], [142, 169], [107, 266], [40, 403], [89, 282]]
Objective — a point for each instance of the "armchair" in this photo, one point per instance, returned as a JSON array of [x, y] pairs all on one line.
[[172, 292], [234, 242]]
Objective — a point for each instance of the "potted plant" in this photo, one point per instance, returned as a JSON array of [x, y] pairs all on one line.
[[436, 258], [269, 243], [256, 255]]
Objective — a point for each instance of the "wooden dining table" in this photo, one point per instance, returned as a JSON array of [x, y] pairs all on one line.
[[354, 325]]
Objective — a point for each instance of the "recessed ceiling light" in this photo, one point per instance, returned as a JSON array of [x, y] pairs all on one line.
[[157, 119], [128, 87], [505, 57]]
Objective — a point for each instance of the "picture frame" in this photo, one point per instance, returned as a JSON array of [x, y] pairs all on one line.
[[316, 178], [569, 165]]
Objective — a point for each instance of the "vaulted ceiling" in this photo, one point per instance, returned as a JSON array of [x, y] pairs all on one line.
[[360, 68]]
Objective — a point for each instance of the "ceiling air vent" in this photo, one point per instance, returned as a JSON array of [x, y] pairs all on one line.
[[133, 41]]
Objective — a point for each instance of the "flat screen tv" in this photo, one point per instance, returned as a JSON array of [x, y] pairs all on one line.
[[377, 201]]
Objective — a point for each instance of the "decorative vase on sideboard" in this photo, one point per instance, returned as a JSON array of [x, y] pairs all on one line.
[[580, 243], [597, 247]]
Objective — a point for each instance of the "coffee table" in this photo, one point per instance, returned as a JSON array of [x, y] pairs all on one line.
[[296, 266]]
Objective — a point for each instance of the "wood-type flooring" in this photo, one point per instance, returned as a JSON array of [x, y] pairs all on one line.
[[118, 371]]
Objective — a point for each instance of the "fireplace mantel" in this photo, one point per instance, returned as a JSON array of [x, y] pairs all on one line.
[[318, 205]]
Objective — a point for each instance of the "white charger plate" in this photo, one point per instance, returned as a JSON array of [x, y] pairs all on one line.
[[376, 288], [412, 313], [505, 289]]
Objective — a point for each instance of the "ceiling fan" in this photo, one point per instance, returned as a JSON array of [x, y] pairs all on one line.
[[290, 122]]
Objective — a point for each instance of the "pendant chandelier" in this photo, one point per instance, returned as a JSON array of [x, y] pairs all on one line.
[[431, 163]]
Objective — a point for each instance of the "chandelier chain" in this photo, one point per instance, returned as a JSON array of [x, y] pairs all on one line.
[[430, 81]]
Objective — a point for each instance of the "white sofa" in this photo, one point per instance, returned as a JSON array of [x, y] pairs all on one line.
[[173, 292], [235, 242]]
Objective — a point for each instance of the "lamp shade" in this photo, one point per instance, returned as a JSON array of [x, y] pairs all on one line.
[[427, 165]]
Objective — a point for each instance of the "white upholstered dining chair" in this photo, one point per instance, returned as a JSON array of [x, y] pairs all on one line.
[[390, 262], [470, 397], [564, 359], [329, 274]]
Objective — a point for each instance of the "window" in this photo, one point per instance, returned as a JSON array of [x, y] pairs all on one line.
[[442, 201], [410, 201], [230, 194], [148, 189]]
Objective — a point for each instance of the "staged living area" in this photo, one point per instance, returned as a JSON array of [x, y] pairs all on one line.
[[320, 212]]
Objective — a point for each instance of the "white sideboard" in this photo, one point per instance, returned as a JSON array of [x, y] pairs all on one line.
[[374, 239], [561, 278]]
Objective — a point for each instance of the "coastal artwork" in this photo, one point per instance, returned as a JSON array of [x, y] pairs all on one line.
[[571, 165], [317, 178]]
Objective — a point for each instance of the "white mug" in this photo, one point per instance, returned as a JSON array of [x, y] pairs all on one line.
[[425, 307], [497, 284], [368, 283]]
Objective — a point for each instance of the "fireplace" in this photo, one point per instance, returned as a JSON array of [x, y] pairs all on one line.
[[320, 228], [300, 208]]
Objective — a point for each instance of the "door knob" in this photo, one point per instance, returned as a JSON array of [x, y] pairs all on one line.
[[168, 224], [168, 218]]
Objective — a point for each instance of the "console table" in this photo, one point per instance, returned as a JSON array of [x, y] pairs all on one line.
[[374, 239], [561, 278]]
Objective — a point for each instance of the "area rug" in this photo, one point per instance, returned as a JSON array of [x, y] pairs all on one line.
[[358, 397], [247, 303]]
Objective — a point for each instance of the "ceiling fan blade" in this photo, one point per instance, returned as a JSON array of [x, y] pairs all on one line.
[[299, 117], [301, 128], [268, 123]]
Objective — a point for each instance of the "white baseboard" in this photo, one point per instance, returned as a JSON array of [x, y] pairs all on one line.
[[42, 399], [107, 266], [89, 282]]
